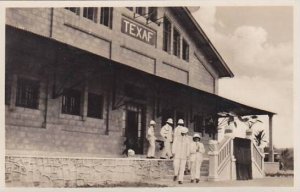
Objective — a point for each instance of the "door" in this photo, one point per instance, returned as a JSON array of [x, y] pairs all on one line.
[[242, 153], [135, 127]]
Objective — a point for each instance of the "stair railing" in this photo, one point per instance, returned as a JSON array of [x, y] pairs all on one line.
[[220, 156], [258, 158]]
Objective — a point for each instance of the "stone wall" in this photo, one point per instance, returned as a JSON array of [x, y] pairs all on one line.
[[79, 172]]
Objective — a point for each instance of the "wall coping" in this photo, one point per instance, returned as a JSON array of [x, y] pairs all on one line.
[[92, 158]]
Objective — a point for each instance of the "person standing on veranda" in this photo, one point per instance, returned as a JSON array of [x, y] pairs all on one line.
[[181, 151], [197, 150], [151, 139], [167, 134]]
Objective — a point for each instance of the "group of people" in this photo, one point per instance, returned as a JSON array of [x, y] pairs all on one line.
[[179, 147]]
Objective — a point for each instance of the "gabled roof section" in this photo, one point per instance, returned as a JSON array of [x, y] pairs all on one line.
[[202, 41]]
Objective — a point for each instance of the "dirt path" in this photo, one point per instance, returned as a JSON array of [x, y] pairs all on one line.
[[264, 182]]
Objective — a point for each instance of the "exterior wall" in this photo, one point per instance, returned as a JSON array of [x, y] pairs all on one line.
[[67, 27], [271, 167], [36, 20], [46, 131], [200, 74]]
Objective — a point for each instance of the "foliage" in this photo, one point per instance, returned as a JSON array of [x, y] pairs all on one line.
[[250, 121], [287, 157], [259, 137], [228, 118]]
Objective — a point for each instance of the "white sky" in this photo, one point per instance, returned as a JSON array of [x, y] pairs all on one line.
[[257, 44]]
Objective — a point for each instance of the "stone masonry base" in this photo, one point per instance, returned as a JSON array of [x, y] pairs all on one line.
[[21, 171]]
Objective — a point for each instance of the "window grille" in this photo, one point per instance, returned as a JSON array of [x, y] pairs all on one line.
[[185, 50], [71, 102], [141, 10], [27, 93], [106, 16], [167, 35], [152, 14], [176, 43], [90, 13]]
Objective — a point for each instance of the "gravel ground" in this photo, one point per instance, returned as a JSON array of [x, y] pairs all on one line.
[[264, 182]]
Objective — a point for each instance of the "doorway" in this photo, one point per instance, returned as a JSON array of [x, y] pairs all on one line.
[[242, 153], [135, 127]]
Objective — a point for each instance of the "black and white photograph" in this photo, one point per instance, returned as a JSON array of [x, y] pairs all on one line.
[[148, 95]]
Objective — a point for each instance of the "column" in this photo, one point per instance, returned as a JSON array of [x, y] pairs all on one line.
[[271, 151], [84, 99], [13, 92], [213, 160]]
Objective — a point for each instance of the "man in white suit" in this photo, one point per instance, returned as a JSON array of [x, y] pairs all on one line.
[[181, 151], [151, 139], [167, 134]]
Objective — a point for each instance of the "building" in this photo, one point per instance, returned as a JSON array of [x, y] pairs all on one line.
[[80, 80]]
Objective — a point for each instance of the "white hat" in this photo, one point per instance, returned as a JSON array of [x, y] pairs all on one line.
[[196, 135], [184, 130], [131, 153], [180, 121], [152, 122], [170, 121]]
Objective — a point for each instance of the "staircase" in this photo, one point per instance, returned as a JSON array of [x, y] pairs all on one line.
[[203, 172]]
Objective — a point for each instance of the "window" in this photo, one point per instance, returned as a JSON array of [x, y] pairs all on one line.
[[106, 16], [176, 43], [130, 8], [90, 13], [27, 93], [185, 50], [74, 9], [198, 124], [152, 13], [141, 10], [167, 35], [71, 102], [95, 106]]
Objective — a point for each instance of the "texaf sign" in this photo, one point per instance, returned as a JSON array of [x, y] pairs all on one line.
[[138, 31]]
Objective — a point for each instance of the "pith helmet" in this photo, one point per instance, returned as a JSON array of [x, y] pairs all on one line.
[[152, 122], [196, 135], [170, 121], [184, 130], [180, 121], [131, 153]]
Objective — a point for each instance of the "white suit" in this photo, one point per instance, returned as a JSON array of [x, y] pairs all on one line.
[[197, 149], [167, 133], [181, 151], [177, 132], [151, 138]]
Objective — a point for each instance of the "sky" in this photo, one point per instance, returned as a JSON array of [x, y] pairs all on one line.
[[257, 44]]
